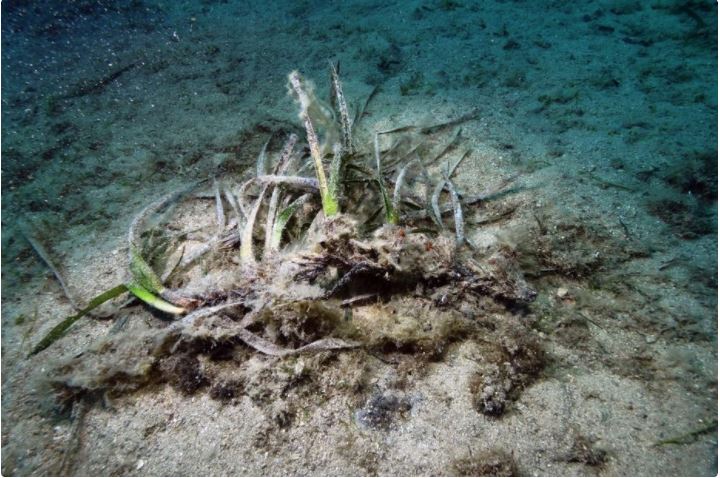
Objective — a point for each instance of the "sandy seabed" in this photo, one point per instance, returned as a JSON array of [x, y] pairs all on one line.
[[606, 115]]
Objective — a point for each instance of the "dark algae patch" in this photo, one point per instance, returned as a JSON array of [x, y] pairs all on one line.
[[486, 463], [511, 363]]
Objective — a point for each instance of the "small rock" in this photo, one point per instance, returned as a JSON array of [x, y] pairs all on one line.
[[381, 410], [562, 293], [299, 368]]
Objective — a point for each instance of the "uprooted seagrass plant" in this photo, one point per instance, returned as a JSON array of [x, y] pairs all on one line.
[[291, 253]]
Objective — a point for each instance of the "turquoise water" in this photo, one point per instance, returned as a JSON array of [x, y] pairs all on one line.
[[92, 89], [605, 111]]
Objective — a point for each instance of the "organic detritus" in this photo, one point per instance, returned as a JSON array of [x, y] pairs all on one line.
[[304, 264]]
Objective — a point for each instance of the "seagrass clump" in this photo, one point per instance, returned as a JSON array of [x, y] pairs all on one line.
[[313, 232]]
